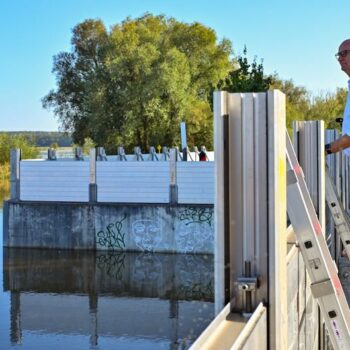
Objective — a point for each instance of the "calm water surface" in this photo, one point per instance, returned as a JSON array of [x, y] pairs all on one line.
[[53, 299]]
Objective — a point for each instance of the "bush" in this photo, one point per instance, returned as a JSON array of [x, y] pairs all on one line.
[[8, 142]]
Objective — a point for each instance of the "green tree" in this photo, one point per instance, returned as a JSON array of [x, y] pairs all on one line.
[[135, 83], [297, 99], [88, 144], [328, 107], [247, 77], [7, 142]]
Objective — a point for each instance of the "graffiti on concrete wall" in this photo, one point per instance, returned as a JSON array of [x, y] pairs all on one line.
[[195, 233], [147, 271], [146, 234], [113, 263], [196, 278], [196, 215], [112, 236]]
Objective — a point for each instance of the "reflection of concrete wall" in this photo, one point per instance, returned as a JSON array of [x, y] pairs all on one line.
[[127, 317], [166, 276], [155, 228]]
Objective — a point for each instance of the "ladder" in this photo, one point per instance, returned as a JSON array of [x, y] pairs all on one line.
[[341, 220], [325, 284]]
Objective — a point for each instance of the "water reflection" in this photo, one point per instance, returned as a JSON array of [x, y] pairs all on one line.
[[144, 301]]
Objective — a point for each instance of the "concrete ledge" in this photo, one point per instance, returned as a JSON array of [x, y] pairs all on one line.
[[105, 226]]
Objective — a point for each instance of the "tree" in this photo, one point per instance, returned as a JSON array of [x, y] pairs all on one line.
[[135, 83], [328, 107], [247, 77], [7, 142], [297, 99]]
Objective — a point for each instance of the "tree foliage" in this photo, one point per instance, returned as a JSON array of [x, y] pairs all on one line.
[[328, 107], [18, 141], [247, 77], [134, 83], [302, 105]]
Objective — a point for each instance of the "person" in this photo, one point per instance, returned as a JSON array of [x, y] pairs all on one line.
[[343, 143], [203, 154]]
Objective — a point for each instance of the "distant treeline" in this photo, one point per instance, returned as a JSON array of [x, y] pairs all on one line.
[[44, 138]]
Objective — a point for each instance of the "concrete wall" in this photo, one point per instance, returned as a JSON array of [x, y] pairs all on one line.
[[146, 227]]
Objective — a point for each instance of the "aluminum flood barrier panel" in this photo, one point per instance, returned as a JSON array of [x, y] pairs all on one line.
[[250, 209]]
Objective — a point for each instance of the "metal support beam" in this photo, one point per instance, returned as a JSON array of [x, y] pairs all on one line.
[[92, 176], [15, 157], [173, 190]]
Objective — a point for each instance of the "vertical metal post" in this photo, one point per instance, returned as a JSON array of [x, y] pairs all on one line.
[[250, 205], [78, 153], [173, 190], [92, 176], [309, 137], [221, 213], [15, 157], [277, 222], [183, 141]]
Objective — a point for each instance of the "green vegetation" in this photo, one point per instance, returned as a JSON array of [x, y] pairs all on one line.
[[7, 142], [43, 138], [133, 84]]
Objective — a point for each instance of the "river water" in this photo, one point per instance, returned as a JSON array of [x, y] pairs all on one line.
[[55, 299]]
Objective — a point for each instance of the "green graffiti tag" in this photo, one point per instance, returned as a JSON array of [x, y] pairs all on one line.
[[197, 291], [113, 263], [112, 237], [196, 215]]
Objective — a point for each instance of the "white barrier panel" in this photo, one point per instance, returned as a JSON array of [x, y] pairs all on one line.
[[195, 182], [54, 181], [133, 182]]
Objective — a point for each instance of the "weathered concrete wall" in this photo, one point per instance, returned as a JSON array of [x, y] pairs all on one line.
[[141, 227]]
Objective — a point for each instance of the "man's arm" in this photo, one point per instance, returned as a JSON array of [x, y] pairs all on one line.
[[338, 145]]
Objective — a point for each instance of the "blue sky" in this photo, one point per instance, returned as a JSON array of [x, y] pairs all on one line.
[[297, 39]]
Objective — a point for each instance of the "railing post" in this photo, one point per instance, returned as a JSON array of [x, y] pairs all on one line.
[[173, 191], [15, 157], [78, 153], [51, 154], [93, 184]]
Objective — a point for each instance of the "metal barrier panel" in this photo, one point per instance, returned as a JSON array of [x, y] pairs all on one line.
[[221, 238], [133, 182], [309, 142], [234, 332], [195, 182], [250, 205], [253, 336], [54, 181]]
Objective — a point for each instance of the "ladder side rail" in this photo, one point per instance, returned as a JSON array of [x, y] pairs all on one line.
[[326, 285]]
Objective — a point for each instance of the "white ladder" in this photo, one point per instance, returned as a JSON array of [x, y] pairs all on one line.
[[325, 284], [341, 220]]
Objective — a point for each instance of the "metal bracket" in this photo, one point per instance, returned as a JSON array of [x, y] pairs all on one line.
[[321, 289], [247, 284]]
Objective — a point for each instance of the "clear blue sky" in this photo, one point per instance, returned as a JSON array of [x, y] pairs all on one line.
[[296, 38]]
